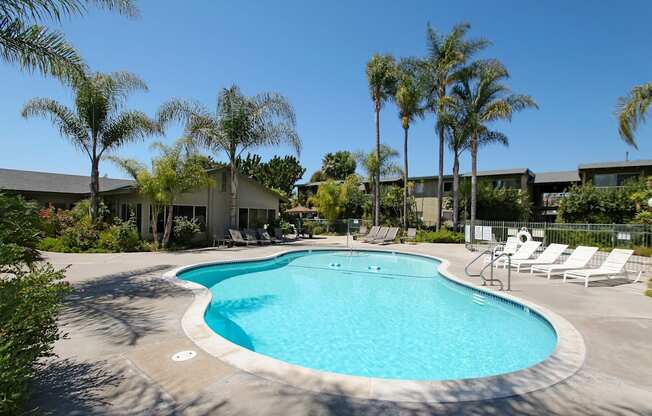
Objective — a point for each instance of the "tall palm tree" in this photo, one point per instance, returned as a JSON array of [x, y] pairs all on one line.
[[98, 124], [386, 165], [408, 99], [485, 99], [458, 137], [632, 110], [446, 54], [33, 47], [381, 76], [238, 124]]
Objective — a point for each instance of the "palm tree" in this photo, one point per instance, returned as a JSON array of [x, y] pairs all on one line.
[[408, 99], [177, 170], [386, 165], [33, 47], [458, 137], [446, 54], [381, 76], [97, 125], [238, 124], [631, 111], [485, 99]]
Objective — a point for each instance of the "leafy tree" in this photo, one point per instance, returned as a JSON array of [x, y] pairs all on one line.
[[381, 76], [408, 98], [97, 125], [328, 200], [278, 173], [483, 98], [176, 171], [587, 204], [446, 55], [631, 111], [238, 124], [33, 47], [498, 204], [393, 207], [339, 165], [356, 201], [317, 176]]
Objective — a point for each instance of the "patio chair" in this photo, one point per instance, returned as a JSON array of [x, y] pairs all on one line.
[[362, 232], [389, 238], [410, 236], [524, 252], [372, 235], [237, 239], [278, 236], [264, 236], [549, 256], [612, 266], [577, 260], [250, 235], [509, 247]]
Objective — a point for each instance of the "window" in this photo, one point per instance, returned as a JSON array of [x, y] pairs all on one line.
[[271, 216], [243, 218], [448, 186], [613, 179], [200, 216], [418, 188], [511, 183], [183, 211]]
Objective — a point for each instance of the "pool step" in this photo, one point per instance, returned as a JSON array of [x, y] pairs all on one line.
[[479, 299]]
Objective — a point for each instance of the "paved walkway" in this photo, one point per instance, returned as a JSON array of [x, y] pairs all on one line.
[[123, 325]]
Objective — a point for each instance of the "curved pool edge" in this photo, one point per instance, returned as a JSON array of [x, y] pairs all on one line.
[[564, 362]]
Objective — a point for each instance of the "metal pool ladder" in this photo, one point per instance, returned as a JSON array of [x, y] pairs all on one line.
[[490, 265]]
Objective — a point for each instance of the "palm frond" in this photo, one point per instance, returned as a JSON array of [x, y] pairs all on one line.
[[62, 117], [131, 167], [177, 110], [128, 126], [38, 10], [632, 110], [36, 48]]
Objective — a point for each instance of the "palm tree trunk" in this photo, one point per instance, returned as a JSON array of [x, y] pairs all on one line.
[[233, 196], [95, 187], [474, 177], [155, 212], [168, 226], [440, 182], [405, 176], [456, 190], [377, 173]]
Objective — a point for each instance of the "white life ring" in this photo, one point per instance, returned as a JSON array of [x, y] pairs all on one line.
[[524, 236]]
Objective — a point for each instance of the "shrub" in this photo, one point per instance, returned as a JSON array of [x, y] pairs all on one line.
[[443, 236], [318, 229], [53, 244], [648, 292], [19, 231], [119, 237], [81, 236], [587, 204], [184, 230], [29, 304]]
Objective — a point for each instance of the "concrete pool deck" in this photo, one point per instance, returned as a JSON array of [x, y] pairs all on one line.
[[124, 324]]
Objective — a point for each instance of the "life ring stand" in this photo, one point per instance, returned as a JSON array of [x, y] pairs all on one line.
[[524, 236]]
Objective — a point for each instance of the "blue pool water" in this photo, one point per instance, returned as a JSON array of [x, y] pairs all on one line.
[[370, 314]]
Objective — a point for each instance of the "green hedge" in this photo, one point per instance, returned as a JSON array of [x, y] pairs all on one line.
[[443, 236]]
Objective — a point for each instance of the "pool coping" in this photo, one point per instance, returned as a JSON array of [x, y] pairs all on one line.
[[564, 362]]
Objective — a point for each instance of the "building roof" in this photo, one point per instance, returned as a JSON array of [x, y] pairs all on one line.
[[621, 164], [24, 180], [561, 176], [500, 172]]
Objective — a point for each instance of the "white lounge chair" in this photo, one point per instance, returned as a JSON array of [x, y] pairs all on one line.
[[578, 259], [373, 233], [613, 265], [509, 247], [524, 252], [549, 256], [389, 237], [380, 235]]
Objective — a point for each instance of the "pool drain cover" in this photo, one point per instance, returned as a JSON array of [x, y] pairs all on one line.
[[184, 355]]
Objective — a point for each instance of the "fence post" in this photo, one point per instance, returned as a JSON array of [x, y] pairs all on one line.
[[509, 272]]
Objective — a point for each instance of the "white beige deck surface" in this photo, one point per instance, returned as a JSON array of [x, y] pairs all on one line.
[[124, 324]]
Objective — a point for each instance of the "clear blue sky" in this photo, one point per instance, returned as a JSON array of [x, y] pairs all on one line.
[[574, 58]]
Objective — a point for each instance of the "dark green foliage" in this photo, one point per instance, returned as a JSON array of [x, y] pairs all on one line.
[[442, 236], [391, 206], [20, 232], [498, 204], [587, 204], [338, 166], [184, 230], [278, 173], [120, 236]]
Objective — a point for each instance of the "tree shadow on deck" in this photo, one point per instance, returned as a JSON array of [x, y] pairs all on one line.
[[121, 307]]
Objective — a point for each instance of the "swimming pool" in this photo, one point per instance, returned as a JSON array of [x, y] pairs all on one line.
[[371, 314]]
